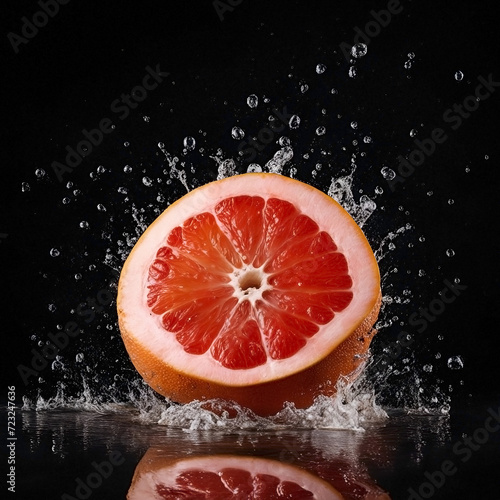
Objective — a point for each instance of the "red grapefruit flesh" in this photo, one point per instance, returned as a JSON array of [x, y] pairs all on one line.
[[257, 288], [225, 477]]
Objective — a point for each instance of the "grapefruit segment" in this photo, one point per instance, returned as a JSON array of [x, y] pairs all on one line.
[[236, 286], [241, 218], [239, 345]]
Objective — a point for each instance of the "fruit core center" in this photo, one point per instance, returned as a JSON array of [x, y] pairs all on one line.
[[250, 279]]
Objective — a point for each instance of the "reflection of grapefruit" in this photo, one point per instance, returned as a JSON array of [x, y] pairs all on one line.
[[257, 288], [225, 477]]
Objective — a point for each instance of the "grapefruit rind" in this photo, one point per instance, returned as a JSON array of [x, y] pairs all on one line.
[[159, 357]]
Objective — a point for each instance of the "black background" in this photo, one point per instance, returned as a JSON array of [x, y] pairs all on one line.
[[65, 78]]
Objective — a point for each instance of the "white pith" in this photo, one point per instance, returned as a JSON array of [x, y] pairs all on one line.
[[146, 327], [252, 294], [145, 484]]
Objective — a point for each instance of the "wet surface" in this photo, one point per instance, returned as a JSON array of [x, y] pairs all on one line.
[[56, 447]]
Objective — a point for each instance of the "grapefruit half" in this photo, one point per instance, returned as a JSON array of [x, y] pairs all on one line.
[[257, 288]]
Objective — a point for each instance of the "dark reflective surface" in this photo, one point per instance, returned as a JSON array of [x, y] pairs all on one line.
[[86, 453]]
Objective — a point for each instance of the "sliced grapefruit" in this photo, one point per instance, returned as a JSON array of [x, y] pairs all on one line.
[[257, 288], [225, 477]]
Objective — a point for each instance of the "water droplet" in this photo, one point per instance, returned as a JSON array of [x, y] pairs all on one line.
[[146, 119], [147, 181], [101, 207], [252, 101], [421, 272], [84, 224], [427, 368], [388, 173], [354, 125], [237, 133], [25, 187], [359, 50], [39, 172], [189, 143], [320, 69], [78, 276], [334, 91], [486, 157], [467, 170], [367, 204], [367, 139], [284, 141], [455, 363], [378, 190], [407, 64], [52, 307], [352, 72], [254, 167], [457, 280], [79, 357], [100, 169], [122, 190], [304, 87], [54, 252], [451, 201], [450, 252], [65, 200], [126, 144], [430, 193], [294, 122], [413, 132], [411, 55], [320, 131], [421, 239], [459, 76]]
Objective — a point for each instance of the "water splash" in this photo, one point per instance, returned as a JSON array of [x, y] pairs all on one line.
[[175, 173], [350, 408], [308, 154], [341, 190]]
